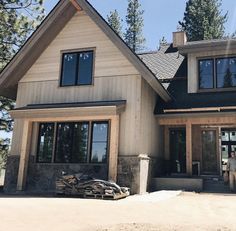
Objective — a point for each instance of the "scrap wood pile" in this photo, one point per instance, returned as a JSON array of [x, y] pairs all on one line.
[[88, 187]]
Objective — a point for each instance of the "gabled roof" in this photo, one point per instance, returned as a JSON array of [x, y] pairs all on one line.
[[48, 30]]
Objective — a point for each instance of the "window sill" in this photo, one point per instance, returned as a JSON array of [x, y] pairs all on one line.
[[85, 164], [215, 90]]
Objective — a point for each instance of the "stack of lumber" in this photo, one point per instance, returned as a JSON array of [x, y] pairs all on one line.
[[90, 188]]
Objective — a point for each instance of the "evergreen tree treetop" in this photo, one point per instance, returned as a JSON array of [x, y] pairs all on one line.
[[114, 21], [134, 19], [203, 20]]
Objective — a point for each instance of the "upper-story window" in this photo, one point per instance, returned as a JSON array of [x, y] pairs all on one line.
[[77, 68], [217, 73]]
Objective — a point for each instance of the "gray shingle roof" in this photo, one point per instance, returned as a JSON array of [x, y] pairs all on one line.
[[165, 63]]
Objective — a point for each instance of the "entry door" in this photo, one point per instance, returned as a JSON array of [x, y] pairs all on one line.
[[178, 150], [209, 152]]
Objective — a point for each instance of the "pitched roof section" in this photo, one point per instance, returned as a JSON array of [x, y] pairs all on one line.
[[166, 63], [47, 31], [33, 47]]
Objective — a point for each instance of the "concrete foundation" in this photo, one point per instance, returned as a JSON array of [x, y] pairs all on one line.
[[187, 184]]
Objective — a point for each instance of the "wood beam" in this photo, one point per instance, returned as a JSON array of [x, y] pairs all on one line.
[[76, 5], [114, 144], [24, 155], [189, 148], [200, 120]]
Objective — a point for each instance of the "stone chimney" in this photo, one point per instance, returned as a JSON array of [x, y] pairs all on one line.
[[179, 38]]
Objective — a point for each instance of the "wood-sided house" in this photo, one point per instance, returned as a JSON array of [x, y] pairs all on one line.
[[86, 103]]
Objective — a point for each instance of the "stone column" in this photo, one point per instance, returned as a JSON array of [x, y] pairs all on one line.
[[143, 173]]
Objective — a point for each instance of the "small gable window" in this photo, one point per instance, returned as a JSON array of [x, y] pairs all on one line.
[[217, 73], [77, 68]]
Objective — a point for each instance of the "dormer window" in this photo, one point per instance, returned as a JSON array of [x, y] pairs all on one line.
[[217, 73], [77, 68]]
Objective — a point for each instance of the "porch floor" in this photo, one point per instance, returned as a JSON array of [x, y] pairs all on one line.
[[209, 184]]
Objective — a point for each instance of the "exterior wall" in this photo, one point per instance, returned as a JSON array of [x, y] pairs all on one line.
[[149, 129], [114, 79], [193, 65]]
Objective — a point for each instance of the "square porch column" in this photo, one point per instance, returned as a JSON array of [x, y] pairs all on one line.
[[24, 155], [114, 144], [189, 148]]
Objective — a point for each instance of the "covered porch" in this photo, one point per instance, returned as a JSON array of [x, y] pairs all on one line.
[[196, 147]]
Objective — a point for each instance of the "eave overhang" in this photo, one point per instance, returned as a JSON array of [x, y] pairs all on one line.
[[33, 47], [72, 111], [224, 45]]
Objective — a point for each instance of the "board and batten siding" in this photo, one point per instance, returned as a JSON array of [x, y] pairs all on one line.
[[150, 133], [115, 78]]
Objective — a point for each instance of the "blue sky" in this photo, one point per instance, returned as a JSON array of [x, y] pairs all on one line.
[[160, 16]]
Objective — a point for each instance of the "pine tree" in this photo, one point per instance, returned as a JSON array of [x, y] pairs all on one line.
[[134, 19], [18, 19], [203, 20], [114, 21]]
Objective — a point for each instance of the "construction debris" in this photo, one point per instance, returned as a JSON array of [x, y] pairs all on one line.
[[88, 187]]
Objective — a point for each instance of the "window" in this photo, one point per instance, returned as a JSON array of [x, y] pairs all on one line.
[[73, 142], [99, 142], [45, 142], [77, 68], [226, 72], [217, 73], [206, 70]]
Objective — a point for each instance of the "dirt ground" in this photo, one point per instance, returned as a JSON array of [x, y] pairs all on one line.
[[160, 211]]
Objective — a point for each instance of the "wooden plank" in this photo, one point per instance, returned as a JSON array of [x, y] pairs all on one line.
[[24, 155], [189, 148], [114, 144]]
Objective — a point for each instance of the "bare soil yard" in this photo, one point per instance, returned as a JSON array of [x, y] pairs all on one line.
[[159, 211]]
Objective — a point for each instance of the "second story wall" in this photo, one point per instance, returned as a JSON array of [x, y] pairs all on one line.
[[43, 78], [115, 78], [193, 68]]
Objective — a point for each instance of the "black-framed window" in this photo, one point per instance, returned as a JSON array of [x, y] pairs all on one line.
[[45, 142], [206, 74], [99, 142], [226, 72], [73, 142], [217, 73], [77, 68]]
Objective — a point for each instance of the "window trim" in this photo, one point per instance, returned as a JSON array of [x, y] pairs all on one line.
[[77, 51], [89, 142], [214, 89]]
